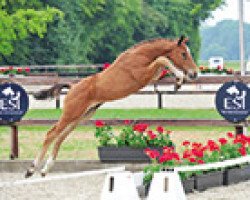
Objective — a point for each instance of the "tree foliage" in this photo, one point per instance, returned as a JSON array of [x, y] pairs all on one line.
[[83, 31], [20, 18]]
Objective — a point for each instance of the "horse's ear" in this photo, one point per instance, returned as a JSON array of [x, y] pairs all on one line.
[[182, 39]]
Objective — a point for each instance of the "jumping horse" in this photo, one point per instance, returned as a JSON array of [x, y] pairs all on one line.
[[132, 70]]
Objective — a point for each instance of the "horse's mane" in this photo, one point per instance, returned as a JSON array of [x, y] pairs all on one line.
[[143, 42]]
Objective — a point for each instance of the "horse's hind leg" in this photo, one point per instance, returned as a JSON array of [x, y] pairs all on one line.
[[49, 138], [88, 114], [63, 134], [51, 135]]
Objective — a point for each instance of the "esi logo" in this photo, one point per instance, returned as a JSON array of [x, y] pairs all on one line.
[[14, 102], [233, 101]]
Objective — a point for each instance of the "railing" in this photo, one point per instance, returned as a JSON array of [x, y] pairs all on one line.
[[203, 80]]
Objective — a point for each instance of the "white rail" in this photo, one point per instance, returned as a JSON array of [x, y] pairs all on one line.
[[61, 177]]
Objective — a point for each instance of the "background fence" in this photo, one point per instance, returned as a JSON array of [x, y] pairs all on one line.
[[48, 77]]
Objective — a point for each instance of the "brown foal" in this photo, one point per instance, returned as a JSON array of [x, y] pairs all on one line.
[[131, 71]]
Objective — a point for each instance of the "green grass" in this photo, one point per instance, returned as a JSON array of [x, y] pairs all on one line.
[[132, 113], [82, 144]]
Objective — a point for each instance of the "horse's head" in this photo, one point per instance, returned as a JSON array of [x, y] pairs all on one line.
[[182, 59]]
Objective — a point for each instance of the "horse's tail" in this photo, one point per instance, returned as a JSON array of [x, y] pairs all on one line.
[[51, 92]]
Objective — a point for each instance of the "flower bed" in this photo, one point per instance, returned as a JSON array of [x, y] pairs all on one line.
[[11, 71], [196, 153], [218, 70], [129, 144]]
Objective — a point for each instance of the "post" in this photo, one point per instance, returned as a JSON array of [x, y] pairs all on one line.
[[241, 37], [159, 98], [241, 129], [58, 101], [14, 142]]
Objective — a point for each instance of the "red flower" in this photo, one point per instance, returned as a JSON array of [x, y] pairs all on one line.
[[176, 156], [4, 69], [99, 123], [230, 135], [19, 70], [151, 135], [204, 148], [211, 142], [153, 154], [212, 146], [200, 162], [197, 153], [164, 73], [242, 151], [160, 129], [168, 149], [140, 127], [223, 141], [240, 138], [186, 154], [219, 67], [127, 122], [192, 160], [27, 69], [11, 68], [106, 65], [196, 145], [169, 156], [185, 143]]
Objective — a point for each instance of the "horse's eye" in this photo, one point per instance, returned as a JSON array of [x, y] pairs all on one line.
[[184, 56]]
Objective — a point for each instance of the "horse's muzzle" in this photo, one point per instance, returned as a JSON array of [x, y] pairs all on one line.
[[193, 76]]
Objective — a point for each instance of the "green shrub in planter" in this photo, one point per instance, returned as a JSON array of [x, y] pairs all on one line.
[[136, 136], [129, 144]]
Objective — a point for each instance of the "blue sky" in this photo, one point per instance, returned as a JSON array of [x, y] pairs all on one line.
[[229, 11]]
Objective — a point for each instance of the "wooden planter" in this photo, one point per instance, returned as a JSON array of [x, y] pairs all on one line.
[[124, 154], [237, 175], [211, 179]]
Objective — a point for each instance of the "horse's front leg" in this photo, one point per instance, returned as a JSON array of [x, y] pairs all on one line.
[[158, 65]]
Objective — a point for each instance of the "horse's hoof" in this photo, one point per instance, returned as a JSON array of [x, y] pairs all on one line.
[[43, 174], [29, 173], [176, 87]]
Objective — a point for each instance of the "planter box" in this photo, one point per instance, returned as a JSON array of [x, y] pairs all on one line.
[[123, 154], [188, 185], [237, 175], [143, 190], [212, 179]]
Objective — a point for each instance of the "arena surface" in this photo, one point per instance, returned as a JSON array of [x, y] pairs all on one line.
[[90, 187]]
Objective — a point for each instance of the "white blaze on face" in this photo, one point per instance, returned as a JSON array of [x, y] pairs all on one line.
[[188, 50]]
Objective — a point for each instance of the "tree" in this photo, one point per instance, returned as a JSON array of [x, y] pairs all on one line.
[[19, 19], [96, 31]]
